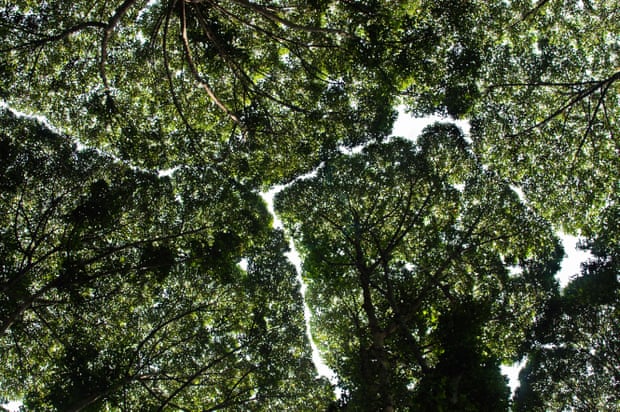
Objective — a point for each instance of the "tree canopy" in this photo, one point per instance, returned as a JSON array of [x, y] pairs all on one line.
[[576, 338], [408, 273], [140, 268], [122, 289]]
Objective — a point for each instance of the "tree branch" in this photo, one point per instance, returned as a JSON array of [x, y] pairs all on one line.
[[60, 36], [202, 83], [591, 120], [269, 15], [166, 60], [531, 12], [195, 375], [109, 29], [581, 95]]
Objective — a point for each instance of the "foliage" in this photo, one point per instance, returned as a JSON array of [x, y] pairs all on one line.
[[548, 117], [576, 341], [121, 289], [124, 287], [174, 82], [394, 252]]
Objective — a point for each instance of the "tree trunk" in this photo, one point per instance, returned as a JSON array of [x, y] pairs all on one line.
[[376, 368]]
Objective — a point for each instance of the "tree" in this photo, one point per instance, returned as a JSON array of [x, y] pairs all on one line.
[[546, 123], [425, 269], [546, 119], [448, 81], [192, 82], [395, 251], [574, 351], [465, 377], [67, 223], [122, 289]]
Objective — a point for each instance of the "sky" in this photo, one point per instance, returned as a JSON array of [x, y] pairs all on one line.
[[293, 256]]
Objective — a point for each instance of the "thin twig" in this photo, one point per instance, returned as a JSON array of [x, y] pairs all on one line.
[[592, 119], [580, 96], [269, 15], [60, 36], [175, 98]]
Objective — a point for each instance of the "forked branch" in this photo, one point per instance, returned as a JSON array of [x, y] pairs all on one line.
[[194, 70], [602, 85], [275, 18]]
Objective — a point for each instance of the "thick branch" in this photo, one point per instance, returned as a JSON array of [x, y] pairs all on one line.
[[109, 29], [377, 350], [166, 60], [202, 83]]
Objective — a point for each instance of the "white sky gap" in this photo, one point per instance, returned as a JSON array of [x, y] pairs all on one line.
[[293, 256]]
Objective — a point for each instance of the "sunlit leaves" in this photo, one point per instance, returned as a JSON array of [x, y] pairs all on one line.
[[547, 118], [393, 239], [122, 289]]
